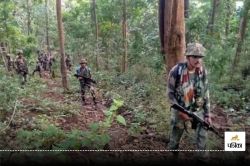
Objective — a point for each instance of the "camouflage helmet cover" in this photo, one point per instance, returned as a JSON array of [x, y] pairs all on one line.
[[83, 61], [195, 49]]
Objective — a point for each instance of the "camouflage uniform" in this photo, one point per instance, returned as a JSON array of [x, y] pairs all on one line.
[[51, 62], [85, 84], [10, 63], [40, 57], [190, 91], [38, 68], [45, 62], [68, 63], [21, 67]]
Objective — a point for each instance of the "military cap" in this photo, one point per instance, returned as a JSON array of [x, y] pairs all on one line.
[[83, 61], [195, 49]]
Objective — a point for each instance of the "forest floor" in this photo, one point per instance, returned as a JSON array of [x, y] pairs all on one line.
[[148, 139]]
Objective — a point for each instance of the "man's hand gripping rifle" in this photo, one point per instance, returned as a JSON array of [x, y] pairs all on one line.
[[196, 118], [85, 78]]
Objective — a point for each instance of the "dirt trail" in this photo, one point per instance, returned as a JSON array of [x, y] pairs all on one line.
[[88, 114]]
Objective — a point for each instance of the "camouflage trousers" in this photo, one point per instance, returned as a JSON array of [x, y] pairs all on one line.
[[87, 87], [23, 77], [177, 128]]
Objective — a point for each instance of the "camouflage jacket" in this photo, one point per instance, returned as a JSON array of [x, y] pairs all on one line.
[[191, 93], [21, 65], [85, 72]]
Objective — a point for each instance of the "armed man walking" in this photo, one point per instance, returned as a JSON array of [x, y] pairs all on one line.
[[68, 62], [84, 76], [188, 87], [21, 67]]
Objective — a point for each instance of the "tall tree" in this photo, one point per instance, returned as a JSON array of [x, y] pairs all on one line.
[[124, 36], [186, 8], [5, 14], [29, 6], [161, 10], [186, 14], [241, 34], [228, 16], [96, 35], [61, 41], [210, 26], [172, 31], [47, 25]]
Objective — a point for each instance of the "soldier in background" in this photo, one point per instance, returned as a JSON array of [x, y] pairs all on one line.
[[10, 63], [83, 74], [51, 62], [68, 62], [38, 69], [45, 62], [21, 67]]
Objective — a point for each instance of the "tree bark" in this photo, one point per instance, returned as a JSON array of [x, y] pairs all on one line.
[[173, 32], [124, 35], [96, 35], [186, 15], [108, 53], [228, 14], [210, 26], [61, 41], [5, 18], [186, 8], [161, 10], [241, 34], [29, 30]]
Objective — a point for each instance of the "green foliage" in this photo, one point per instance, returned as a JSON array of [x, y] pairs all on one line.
[[74, 140], [52, 137], [95, 140], [37, 139], [10, 91], [121, 120], [232, 94], [111, 114]]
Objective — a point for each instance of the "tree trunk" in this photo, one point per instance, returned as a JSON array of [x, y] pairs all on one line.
[[227, 18], [47, 26], [186, 8], [210, 26], [61, 41], [124, 35], [5, 18], [96, 35], [186, 15], [161, 10], [173, 32], [3, 53], [29, 30], [108, 53], [241, 35]]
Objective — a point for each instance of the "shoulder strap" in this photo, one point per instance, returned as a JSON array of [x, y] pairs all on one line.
[[178, 73]]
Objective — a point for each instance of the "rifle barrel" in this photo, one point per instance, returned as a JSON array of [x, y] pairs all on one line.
[[197, 118]]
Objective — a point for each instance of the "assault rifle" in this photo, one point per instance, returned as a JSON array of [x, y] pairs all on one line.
[[85, 78], [197, 119]]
